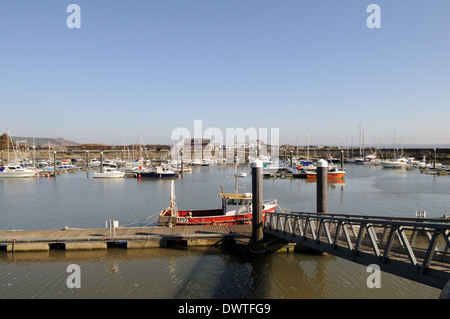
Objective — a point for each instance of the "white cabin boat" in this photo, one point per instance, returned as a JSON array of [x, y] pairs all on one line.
[[400, 162], [109, 172], [16, 171]]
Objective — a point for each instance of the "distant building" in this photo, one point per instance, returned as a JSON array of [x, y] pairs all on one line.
[[197, 144]]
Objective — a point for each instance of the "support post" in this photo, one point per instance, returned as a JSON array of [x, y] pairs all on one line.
[[256, 243], [434, 162], [322, 178]]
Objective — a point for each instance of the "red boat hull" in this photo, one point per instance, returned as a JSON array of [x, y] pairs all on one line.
[[208, 217], [330, 175]]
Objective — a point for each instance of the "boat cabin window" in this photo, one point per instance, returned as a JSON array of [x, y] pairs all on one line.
[[235, 201]]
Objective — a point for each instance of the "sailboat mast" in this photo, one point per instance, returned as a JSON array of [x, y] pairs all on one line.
[[307, 141], [360, 153], [7, 139]]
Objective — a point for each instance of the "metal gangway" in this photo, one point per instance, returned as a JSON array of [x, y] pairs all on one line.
[[414, 248]]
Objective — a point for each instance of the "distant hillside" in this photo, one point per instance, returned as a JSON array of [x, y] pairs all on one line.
[[59, 141]]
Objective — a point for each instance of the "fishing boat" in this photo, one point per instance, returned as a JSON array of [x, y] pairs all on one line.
[[109, 172], [236, 209], [16, 171]]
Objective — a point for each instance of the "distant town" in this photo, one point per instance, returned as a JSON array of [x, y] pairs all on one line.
[[29, 144]]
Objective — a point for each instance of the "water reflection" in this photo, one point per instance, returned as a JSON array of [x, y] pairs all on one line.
[[194, 273]]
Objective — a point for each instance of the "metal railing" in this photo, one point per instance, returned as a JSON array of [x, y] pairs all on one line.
[[413, 248]]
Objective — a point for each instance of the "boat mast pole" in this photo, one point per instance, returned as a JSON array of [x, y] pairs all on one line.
[[7, 139]]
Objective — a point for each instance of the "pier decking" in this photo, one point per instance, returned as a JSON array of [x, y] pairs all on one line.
[[127, 237]]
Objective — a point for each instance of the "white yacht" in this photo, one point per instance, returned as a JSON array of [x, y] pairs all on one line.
[[109, 172], [12, 170], [399, 162]]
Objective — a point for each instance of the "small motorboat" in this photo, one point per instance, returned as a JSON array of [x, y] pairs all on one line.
[[109, 172]]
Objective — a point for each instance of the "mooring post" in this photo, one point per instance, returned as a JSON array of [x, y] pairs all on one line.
[[342, 160], [434, 162], [322, 177], [256, 243]]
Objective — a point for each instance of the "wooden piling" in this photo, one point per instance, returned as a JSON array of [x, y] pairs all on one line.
[[322, 176]]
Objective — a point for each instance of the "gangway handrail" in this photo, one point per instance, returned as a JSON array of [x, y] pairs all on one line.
[[390, 242]]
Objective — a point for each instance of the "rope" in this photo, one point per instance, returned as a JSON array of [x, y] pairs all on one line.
[[140, 220], [281, 208]]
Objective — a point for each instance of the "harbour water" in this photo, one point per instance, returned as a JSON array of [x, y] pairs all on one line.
[[79, 201]]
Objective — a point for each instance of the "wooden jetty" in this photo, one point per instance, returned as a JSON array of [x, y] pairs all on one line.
[[126, 237]]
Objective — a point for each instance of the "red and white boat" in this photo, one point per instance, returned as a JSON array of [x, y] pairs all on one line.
[[236, 209]]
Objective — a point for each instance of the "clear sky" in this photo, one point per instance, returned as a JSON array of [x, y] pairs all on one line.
[[144, 68]]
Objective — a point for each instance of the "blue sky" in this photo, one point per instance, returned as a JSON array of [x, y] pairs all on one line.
[[144, 68]]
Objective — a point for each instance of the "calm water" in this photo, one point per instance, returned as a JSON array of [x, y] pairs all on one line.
[[78, 200]]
